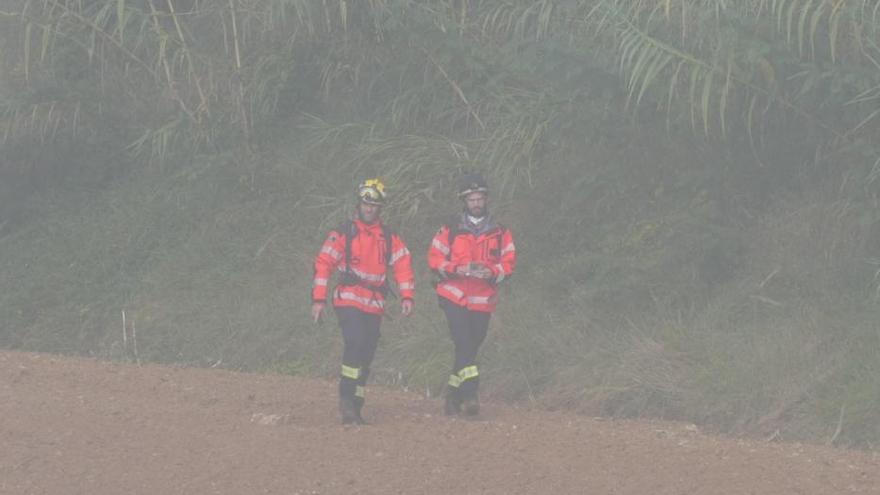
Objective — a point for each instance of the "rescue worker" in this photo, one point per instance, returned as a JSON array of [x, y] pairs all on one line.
[[361, 250], [471, 254]]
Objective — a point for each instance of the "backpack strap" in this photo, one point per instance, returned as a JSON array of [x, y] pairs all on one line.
[[349, 230], [500, 236], [453, 228], [389, 245]]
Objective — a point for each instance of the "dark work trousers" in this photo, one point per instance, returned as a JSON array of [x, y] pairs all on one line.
[[468, 331], [360, 334]]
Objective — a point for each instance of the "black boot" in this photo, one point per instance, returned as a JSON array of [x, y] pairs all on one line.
[[452, 406], [348, 411], [358, 406], [471, 404]]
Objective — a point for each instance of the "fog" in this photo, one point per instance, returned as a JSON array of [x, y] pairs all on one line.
[[692, 189]]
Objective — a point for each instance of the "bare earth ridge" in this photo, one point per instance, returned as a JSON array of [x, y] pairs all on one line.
[[82, 426]]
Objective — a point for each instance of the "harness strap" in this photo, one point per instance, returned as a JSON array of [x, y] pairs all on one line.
[[349, 231]]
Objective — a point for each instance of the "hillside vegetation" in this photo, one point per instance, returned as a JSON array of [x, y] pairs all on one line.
[[692, 186]]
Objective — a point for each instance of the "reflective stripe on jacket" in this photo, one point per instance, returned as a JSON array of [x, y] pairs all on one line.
[[494, 248], [368, 259]]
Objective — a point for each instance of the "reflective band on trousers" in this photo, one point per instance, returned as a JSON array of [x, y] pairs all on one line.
[[406, 286], [454, 381], [359, 391], [319, 282], [468, 372], [349, 372]]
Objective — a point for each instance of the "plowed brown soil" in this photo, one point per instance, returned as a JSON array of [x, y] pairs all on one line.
[[81, 426]]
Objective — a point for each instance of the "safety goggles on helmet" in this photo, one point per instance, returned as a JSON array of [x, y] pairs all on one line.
[[471, 184], [372, 192]]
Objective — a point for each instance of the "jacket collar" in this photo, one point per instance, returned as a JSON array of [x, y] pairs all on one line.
[[485, 225]]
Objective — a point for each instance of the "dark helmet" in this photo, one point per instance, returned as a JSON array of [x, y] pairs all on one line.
[[471, 183], [372, 191]]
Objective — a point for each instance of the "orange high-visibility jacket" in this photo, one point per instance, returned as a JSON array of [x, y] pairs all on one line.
[[368, 264], [494, 247]]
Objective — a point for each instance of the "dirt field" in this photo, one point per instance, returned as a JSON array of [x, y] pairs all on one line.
[[79, 426]]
